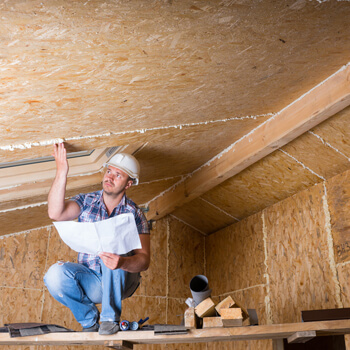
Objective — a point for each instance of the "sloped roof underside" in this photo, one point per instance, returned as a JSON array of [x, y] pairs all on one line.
[[176, 81]]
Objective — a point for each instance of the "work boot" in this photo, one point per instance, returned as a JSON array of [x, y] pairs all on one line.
[[108, 327], [93, 328]]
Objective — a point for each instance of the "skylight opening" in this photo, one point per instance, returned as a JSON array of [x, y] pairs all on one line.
[[46, 159]]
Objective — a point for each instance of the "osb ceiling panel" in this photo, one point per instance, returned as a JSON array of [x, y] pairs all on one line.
[[270, 180], [204, 216], [184, 150], [302, 163], [183, 79], [72, 69]]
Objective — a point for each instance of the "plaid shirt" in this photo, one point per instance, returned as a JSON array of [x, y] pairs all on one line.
[[93, 209]]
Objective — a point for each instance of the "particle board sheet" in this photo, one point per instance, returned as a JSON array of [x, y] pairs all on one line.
[[204, 216], [116, 66], [154, 279], [336, 131], [183, 147], [328, 161], [221, 133], [58, 250], [27, 194], [20, 305], [338, 197], [138, 307], [24, 219], [185, 257], [235, 256], [254, 298], [35, 192], [54, 312], [23, 259], [343, 271], [144, 192], [175, 310], [298, 262], [273, 178]]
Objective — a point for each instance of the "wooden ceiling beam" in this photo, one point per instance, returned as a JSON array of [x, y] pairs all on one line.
[[318, 104]]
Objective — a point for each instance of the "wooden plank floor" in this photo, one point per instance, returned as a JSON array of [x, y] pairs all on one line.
[[276, 331]]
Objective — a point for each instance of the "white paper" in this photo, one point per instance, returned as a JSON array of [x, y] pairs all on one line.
[[116, 235]]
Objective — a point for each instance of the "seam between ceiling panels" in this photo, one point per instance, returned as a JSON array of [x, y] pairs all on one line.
[[28, 145], [186, 223], [218, 208], [302, 164], [328, 144]]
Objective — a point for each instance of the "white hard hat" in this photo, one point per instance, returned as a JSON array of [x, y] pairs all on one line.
[[128, 164]]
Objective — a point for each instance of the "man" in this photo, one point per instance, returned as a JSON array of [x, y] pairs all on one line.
[[107, 278]]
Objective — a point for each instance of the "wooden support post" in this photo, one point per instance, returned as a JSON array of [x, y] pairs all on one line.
[[278, 344], [301, 337], [119, 344]]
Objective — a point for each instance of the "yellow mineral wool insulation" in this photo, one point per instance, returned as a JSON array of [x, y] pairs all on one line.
[[27, 145], [331, 258], [302, 164], [219, 209], [266, 275], [328, 144]]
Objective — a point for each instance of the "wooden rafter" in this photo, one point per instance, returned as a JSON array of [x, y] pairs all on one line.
[[320, 103]]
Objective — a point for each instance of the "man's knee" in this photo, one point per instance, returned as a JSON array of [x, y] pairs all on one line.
[[56, 274]]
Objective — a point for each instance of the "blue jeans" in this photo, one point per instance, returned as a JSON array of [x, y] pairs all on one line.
[[80, 288]]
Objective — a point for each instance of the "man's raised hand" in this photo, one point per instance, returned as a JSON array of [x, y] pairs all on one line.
[[60, 155]]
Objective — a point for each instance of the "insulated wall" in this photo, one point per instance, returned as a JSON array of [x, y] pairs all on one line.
[[290, 257]]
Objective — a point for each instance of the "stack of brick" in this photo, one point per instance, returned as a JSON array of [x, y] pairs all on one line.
[[227, 313]]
